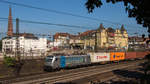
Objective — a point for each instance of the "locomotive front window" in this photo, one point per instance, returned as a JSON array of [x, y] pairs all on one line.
[[48, 60]]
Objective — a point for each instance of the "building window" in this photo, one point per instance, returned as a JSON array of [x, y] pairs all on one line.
[[8, 42]]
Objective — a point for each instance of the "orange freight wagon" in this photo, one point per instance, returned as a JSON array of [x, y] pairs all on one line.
[[117, 56]]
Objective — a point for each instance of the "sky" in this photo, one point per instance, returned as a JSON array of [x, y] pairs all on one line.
[[107, 13]]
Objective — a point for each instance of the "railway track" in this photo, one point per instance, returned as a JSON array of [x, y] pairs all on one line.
[[106, 77], [70, 75]]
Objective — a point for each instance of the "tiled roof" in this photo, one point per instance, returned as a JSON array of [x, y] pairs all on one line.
[[74, 36], [110, 30], [25, 34], [87, 33], [61, 34]]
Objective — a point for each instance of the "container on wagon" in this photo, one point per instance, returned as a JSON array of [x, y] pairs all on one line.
[[130, 55], [140, 55], [99, 57], [117, 56]]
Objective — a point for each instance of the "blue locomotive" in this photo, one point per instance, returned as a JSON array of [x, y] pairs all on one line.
[[58, 62]]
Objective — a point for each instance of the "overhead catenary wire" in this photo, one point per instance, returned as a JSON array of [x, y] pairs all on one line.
[[48, 10], [49, 35], [59, 12], [32, 22], [48, 23], [36, 22], [63, 13]]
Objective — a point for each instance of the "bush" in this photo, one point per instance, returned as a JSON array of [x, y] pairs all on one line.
[[130, 49], [9, 61]]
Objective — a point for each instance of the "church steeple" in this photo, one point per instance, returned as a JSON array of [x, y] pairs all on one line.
[[122, 28], [10, 24], [101, 27]]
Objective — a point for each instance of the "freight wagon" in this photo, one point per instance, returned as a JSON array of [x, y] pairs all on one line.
[[130, 55], [140, 55], [117, 56], [99, 57], [135, 55]]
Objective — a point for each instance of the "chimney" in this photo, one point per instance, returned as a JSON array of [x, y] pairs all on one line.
[[10, 24]]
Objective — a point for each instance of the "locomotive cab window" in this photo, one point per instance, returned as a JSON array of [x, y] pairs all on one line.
[[49, 59]]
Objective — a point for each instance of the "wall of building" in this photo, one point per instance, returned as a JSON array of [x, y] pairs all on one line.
[[102, 39], [25, 44], [107, 39]]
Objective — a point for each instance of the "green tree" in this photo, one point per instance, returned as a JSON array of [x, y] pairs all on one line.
[[138, 9], [0, 45], [9, 61], [14, 64]]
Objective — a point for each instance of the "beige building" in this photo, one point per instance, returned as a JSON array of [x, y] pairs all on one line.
[[88, 38], [106, 38], [101, 38], [121, 39], [66, 39], [76, 42], [61, 39]]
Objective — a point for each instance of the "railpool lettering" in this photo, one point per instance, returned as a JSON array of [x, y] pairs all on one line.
[[101, 57]]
